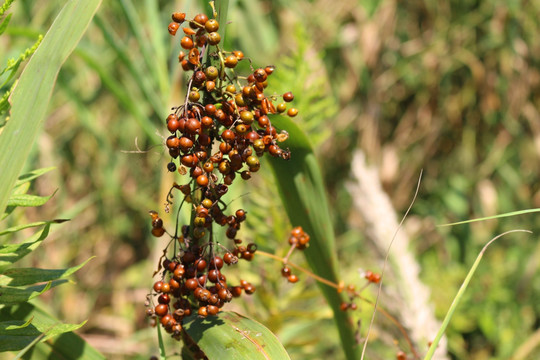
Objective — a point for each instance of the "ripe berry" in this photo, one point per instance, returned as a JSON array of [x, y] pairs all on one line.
[[172, 142], [249, 289], [211, 25], [260, 75], [164, 299], [247, 117], [216, 262], [238, 54], [211, 73], [158, 285], [288, 96], [203, 311], [178, 17], [210, 108], [158, 232], [194, 96], [161, 310], [171, 167], [292, 278], [202, 180], [281, 107], [228, 135], [212, 309], [292, 112], [186, 43], [229, 258], [200, 19], [210, 85], [214, 38], [173, 28], [286, 271], [231, 61]]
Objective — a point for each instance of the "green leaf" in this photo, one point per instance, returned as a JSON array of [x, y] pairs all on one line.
[[33, 91], [14, 295], [34, 224], [232, 336], [28, 276], [17, 334], [66, 346], [301, 188], [27, 200], [459, 295], [34, 174], [513, 213], [12, 253], [4, 24], [7, 326]]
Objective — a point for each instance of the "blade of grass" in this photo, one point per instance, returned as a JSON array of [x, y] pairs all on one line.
[[118, 91], [301, 188], [460, 293], [147, 52], [141, 79], [513, 213], [34, 89]]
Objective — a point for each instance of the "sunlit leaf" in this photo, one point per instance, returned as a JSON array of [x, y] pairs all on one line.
[[232, 336]]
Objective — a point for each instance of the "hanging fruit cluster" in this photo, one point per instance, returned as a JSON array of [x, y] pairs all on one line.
[[217, 135]]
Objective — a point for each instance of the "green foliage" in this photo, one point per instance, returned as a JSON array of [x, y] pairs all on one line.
[[448, 87], [23, 325], [232, 336], [302, 192]]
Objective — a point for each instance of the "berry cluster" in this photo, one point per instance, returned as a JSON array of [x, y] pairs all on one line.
[[298, 239], [219, 132]]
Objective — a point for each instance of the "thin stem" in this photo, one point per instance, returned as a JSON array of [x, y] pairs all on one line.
[[338, 288]]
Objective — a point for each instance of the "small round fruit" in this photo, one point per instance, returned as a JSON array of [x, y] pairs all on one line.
[[211, 25], [186, 43], [288, 97], [194, 96], [202, 180], [211, 73], [260, 75], [158, 285], [178, 17], [292, 112], [173, 28], [158, 232], [247, 117], [214, 38], [171, 167], [231, 61], [161, 310], [199, 19], [292, 278], [281, 107]]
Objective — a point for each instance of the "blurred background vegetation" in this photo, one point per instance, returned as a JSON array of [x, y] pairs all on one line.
[[449, 87]]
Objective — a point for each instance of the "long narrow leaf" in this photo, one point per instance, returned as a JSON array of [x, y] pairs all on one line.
[[12, 295], [17, 228], [16, 339], [66, 346], [12, 253], [302, 192], [459, 295], [34, 174], [27, 200], [33, 91], [513, 213], [28, 276]]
